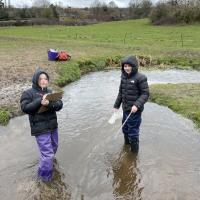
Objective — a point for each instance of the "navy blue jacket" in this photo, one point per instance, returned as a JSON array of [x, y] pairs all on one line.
[[133, 89]]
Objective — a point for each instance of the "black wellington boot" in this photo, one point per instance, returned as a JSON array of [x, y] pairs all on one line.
[[135, 145], [126, 140]]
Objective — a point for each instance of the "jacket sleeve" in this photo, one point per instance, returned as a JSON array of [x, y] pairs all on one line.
[[55, 105], [28, 105], [144, 92], [119, 97]]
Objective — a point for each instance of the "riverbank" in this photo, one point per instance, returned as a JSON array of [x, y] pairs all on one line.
[[181, 98], [68, 72]]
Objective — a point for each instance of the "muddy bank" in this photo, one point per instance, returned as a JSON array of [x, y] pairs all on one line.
[[16, 76]]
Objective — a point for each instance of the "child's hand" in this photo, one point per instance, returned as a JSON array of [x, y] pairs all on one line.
[[44, 101], [44, 96], [134, 109], [115, 110]]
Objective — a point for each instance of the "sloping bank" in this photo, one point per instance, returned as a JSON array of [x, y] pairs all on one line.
[[71, 71], [181, 98]]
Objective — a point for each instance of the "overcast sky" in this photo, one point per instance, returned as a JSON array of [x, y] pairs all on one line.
[[72, 3]]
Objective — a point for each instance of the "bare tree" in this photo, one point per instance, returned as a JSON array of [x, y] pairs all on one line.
[[96, 8], [112, 4], [96, 4], [41, 3], [1, 4], [134, 3], [139, 8]]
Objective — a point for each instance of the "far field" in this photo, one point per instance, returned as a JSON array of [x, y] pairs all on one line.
[[134, 36]]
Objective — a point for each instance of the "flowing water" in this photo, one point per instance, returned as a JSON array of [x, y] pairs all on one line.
[[92, 163]]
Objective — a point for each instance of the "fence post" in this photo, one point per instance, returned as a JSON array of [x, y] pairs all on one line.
[[182, 39], [125, 37]]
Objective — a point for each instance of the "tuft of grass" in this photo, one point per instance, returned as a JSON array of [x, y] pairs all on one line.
[[4, 116], [68, 72], [178, 62], [93, 65], [71, 71], [181, 98]]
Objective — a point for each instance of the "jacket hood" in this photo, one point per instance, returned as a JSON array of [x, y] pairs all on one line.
[[35, 78], [133, 62]]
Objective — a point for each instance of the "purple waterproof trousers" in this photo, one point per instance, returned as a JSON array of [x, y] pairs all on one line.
[[48, 144]]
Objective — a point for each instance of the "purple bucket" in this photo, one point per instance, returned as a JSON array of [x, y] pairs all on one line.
[[52, 54]]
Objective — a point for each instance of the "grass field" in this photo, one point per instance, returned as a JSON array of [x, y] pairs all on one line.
[[123, 37]]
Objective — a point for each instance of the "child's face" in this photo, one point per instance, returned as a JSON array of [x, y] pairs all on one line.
[[127, 68], [43, 81]]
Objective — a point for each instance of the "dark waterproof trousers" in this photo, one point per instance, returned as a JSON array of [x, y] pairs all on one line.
[[132, 126]]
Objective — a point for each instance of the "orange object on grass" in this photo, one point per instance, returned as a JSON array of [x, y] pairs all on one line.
[[63, 56]]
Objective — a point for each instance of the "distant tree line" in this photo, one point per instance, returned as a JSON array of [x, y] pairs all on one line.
[[137, 9], [43, 12], [98, 10], [36, 11], [176, 11]]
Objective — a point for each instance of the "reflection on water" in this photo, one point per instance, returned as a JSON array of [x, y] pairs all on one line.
[[126, 176]]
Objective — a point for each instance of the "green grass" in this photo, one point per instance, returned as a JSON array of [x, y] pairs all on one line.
[[68, 72], [141, 37], [181, 98], [137, 37], [179, 62], [138, 33], [71, 71], [4, 116]]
